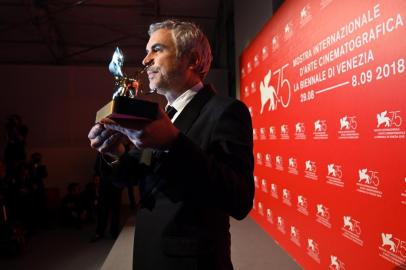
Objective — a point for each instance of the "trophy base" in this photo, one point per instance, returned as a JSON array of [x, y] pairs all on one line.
[[128, 108]]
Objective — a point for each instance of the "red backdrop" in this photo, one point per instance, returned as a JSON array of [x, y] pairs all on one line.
[[325, 84]]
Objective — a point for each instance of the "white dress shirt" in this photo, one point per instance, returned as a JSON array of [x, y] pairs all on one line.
[[180, 102]]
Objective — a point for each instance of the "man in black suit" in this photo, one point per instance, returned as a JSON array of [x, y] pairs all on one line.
[[200, 170]]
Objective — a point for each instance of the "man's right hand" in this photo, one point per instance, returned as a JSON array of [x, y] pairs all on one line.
[[107, 141]]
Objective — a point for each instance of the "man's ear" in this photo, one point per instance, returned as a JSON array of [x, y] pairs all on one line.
[[194, 60]]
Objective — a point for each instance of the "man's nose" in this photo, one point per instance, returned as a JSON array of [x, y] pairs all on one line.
[[148, 60]]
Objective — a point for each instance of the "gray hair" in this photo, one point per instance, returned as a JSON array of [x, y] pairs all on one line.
[[188, 37]]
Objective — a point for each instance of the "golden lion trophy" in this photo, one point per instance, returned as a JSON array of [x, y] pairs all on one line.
[[125, 103]]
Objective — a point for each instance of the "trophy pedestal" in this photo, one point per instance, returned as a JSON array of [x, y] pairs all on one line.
[[128, 108]]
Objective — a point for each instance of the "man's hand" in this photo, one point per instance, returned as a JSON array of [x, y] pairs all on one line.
[[107, 141], [157, 134]]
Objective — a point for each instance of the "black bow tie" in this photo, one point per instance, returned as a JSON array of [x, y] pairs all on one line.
[[170, 111]]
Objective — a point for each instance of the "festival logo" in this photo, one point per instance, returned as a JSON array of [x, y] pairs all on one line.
[[282, 93], [295, 235], [269, 216], [268, 93], [305, 15], [388, 120], [275, 43], [323, 215], [310, 170], [284, 129], [313, 250], [246, 91], [262, 133], [335, 175], [348, 123], [264, 186], [288, 31], [274, 191], [310, 166], [348, 128], [259, 158], [284, 132], [281, 224], [352, 230], [256, 60], [368, 182], [265, 52], [249, 67], [320, 126], [272, 133], [300, 131], [279, 163], [368, 177], [286, 198], [253, 87], [292, 168], [389, 125], [302, 205], [260, 208], [320, 130], [268, 160], [393, 250], [335, 263]]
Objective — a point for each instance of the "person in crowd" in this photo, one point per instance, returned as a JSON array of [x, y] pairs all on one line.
[[90, 197], [193, 165], [109, 201], [72, 209], [37, 173], [21, 207], [15, 150]]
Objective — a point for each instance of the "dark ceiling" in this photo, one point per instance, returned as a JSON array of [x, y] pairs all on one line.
[[72, 32]]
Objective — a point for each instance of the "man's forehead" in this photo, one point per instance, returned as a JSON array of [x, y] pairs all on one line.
[[160, 36]]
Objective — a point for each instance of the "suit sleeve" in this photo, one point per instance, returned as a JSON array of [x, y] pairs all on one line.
[[223, 173], [129, 170]]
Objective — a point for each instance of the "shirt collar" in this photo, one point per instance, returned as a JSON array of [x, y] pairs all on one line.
[[180, 102]]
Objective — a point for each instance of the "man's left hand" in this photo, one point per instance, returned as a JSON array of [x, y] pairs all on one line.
[[158, 134]]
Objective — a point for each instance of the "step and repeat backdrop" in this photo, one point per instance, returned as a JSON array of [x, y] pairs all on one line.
[[325, 82]]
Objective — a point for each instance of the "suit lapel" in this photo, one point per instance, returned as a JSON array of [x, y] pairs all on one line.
[[193, 108]]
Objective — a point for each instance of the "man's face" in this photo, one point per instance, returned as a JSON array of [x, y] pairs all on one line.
[[168, 72]]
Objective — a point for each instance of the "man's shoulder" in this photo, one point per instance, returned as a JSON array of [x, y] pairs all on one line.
[[224, 103], [218, 104], [209, 90]]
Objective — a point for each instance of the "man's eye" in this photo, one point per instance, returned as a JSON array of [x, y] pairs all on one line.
[[156, 49]]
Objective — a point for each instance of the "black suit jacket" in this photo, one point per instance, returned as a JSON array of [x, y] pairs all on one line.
[[192, 189]]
